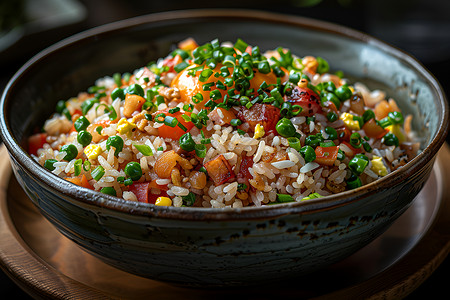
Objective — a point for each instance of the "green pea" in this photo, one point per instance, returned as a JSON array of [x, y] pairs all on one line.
[[49, 164], [313, 140], [343, 92], [308, 153], [332, 98], [109, 190], [187, 143], [84, 138], [133, 170], [332, 133], [323, 66], [60, 106], [330, 86], [81, 123], [285, 128], [235, 122], [332, 116], [135, 89], [116, 142], [71, 152]]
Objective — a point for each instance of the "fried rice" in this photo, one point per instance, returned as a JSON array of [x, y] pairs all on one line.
[[225, 125]]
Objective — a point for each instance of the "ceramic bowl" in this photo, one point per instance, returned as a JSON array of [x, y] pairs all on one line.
[[215, 247]]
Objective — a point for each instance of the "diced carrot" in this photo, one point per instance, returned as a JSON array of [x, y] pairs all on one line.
[[36, 142], [382, 109], [132, 103], [372, 129], [80, 181], [176, 132], [219, 170], [326, 155], [188, 44], [165, 163]]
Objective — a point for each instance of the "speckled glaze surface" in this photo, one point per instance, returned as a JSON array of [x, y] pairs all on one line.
[[212, 247]]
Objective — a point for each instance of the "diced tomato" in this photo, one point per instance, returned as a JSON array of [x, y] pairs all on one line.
[[246, 162], [176, 132], [222, 118], [36, 142], [171, 62], [265, 114], [306, 98], [143, 194], [219, 170], [80, 181], [326, 155]]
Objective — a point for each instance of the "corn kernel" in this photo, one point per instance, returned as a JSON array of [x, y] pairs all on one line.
[[398, 131], [259, 131], [349, 121], [163, 201], [125, 127], [378, 167], [92, 151]]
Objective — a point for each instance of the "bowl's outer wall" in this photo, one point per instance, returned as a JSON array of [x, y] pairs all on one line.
[[212, 251], [218, 253]]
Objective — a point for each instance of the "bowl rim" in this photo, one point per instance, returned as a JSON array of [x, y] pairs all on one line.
[[84, 196]]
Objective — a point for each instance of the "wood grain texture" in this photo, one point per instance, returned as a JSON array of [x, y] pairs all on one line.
[[49, 266]]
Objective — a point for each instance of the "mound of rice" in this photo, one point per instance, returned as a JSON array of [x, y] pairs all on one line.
[[231, 162]]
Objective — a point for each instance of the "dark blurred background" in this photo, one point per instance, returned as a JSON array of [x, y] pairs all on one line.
[[420, 27]]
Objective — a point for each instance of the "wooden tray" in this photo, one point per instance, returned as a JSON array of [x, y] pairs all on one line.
[[47, 265]]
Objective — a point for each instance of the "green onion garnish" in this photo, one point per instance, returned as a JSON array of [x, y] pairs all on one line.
[[98, 173], [144, 149]]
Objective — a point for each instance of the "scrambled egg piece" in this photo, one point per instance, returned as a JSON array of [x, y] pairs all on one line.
[[92, 151], [398, 131], [378, 167], [125, 127], [349, 121], [259, 131], [163, 201]]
